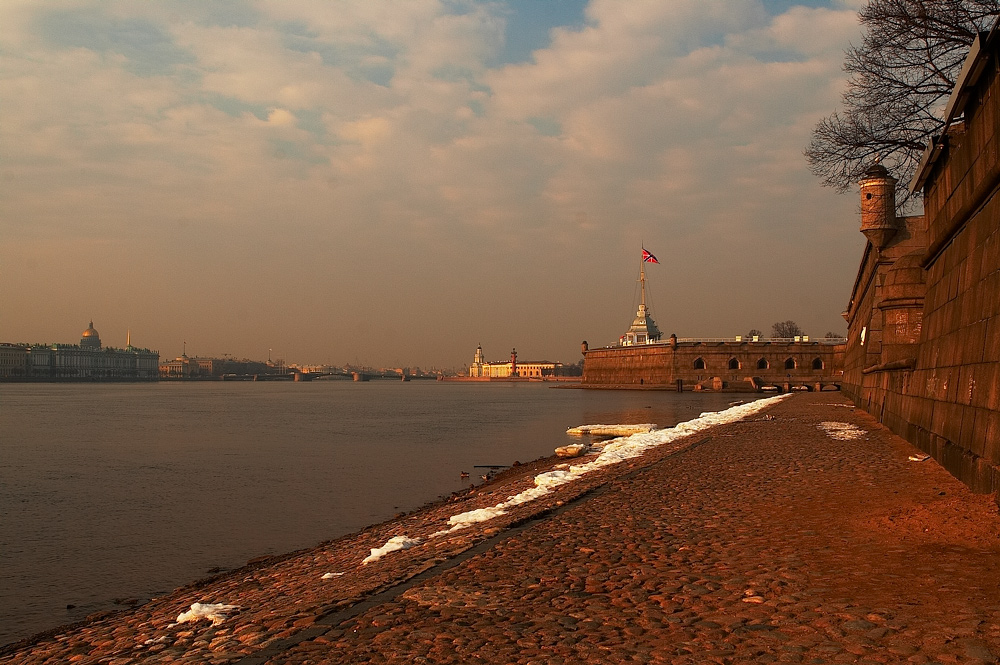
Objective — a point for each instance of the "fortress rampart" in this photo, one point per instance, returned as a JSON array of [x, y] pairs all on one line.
[[923, 351], [716, 365]]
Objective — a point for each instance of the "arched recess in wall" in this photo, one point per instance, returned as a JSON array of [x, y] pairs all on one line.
[[789, 363], [817, 363], [699, 363], [734, 363], [762, 363]]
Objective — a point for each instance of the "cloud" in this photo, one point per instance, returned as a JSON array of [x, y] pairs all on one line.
[[280, 118], [388, 130], [146, 48]]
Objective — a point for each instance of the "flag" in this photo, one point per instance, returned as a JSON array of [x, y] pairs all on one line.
[[647, 257]]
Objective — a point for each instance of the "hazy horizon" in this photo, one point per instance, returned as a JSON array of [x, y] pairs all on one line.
[[392, 184]]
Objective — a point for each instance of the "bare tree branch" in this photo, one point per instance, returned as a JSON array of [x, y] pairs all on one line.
[[786, 329], [900, 78]]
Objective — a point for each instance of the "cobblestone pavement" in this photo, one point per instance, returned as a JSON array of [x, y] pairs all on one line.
[[803, 535]]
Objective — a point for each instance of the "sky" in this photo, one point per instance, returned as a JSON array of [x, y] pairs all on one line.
[[393, 183]]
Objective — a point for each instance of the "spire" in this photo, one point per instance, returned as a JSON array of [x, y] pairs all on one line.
[[642, 282], [643, 329]]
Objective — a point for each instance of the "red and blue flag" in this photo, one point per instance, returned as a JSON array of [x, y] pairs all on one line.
[[647, 256]]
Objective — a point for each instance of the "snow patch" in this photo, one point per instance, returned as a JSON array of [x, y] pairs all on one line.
[[841, 431], [214, 612], [330, 576], [614, 451], [392, 545], [474, 516], [611, 430]]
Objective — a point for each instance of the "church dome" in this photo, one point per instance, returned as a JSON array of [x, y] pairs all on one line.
[[90, 338]]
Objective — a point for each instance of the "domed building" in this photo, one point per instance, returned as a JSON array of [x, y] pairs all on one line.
[[90, 338], [91, 361], [643, 329]]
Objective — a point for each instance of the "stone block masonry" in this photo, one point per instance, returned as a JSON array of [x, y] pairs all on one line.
[[923, 352], [733, 366]]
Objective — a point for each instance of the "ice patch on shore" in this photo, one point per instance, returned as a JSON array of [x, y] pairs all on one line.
[[841, 431], [392, 545], [214, 612], [555, 478], [611, 430], [614, 451], [474, 516]]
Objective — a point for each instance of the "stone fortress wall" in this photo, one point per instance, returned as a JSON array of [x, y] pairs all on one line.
[[923, 351], [716, 365]]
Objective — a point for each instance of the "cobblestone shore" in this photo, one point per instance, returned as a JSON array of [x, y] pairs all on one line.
[[804, 534]]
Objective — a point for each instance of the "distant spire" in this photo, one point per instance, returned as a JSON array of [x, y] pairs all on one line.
[[128, 338]]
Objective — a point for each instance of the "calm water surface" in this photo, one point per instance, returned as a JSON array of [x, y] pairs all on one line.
[[130, 490]]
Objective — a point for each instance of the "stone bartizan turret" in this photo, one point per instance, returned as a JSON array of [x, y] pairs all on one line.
[[878, 206]]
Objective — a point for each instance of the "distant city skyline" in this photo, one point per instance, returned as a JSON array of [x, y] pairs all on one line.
[[394, 183]]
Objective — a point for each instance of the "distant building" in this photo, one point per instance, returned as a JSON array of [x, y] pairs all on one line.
[[181, 367], [642, 359], [186, 367], [511, 368], [86, 361], [14, 361]]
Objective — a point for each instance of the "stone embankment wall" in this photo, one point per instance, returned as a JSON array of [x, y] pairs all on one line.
[[715, 365], [923, 351]]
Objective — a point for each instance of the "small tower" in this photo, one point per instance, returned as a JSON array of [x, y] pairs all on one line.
[[513, 362], [477, 362], [878, 206]]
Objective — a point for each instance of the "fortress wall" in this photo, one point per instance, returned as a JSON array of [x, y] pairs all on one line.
[[661, 365], [943, 392]]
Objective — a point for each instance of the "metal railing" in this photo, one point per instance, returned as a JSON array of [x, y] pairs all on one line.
[[740, 339]]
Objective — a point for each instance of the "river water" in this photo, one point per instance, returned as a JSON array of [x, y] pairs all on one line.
[[125, 491]]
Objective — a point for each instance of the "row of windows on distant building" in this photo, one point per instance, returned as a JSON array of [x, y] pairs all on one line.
[[762, 363]]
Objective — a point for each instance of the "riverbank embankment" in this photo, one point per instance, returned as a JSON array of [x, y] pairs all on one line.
[[803, 533]]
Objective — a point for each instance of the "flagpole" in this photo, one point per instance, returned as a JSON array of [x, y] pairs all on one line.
[[642, 281]]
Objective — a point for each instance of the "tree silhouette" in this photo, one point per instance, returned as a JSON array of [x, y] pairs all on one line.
[[900, 78], [786, 329]]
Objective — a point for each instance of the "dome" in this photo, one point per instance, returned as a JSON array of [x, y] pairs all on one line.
[[643, 329], [90, 338], [876, 170]]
